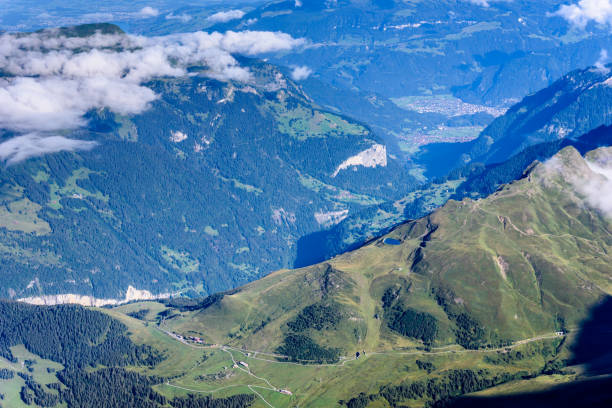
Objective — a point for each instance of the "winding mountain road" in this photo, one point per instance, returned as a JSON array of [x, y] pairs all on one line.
[[251, 354]]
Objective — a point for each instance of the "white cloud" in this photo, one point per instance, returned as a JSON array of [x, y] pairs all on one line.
[[49, 104], [600, 65], [585, 11], [482, 3], [24, 147], [147, 11], [298, 3], [300, 73], [225, 16], [182, 17], [485, 3]]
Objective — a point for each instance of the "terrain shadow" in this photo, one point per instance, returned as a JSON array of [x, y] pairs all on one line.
[[593, 345], [593, 393], [592, 349]]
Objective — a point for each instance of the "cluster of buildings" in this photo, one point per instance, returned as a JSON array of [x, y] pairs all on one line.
[[193, 339]]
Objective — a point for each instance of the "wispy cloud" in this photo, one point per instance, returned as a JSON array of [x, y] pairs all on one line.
[[225, 16], [300, 73], [586, 11], [181, 17], [97, 17], [591, 178], [600, 64], [485, 3], [24, 147], [482, 3]]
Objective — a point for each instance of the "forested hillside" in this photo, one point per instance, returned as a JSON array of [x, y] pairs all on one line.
[[93, 351]]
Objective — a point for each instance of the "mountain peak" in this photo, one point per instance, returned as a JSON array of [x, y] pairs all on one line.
[[566, 164]]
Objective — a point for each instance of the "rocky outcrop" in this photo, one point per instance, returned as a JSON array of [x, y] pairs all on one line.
[[85, 300], [372, 157]]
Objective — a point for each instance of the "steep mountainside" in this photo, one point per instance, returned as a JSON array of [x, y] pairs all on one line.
[[574, 105], [206, 190]]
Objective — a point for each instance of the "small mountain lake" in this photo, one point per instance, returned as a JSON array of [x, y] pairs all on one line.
[[392, 241]]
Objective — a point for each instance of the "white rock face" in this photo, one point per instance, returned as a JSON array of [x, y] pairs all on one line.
[[70, 298], [373, 157], [327, 219], [280, 216], [177, 136]]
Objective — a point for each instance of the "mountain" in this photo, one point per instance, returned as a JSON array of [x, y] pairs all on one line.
[[510, 293], [415, 72], [572, 106], [209, 188], [204, 191], [508, 260], [482, 180]]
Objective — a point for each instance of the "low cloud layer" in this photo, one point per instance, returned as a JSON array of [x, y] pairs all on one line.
[[585, 11], [24, 147], [51, 81], [225, 16], [50, 104]]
